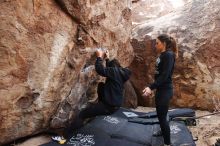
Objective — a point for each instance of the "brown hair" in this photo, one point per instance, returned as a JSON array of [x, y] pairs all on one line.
[[170, 43]]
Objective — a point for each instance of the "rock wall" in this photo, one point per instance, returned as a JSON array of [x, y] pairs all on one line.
[[149, 10], [196, 26], [47, 59], [130, 96]]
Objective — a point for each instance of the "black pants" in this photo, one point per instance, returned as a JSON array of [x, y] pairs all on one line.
[[99, 108], [162, 100]]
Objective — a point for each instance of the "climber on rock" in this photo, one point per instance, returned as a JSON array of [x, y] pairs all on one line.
[[110, 93]]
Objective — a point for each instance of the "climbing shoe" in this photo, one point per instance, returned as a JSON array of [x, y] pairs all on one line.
[[59, 139]]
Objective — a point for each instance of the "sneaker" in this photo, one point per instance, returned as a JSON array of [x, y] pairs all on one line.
[[58, 139], [63, 141]]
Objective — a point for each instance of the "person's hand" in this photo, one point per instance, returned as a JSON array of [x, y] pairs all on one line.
[[99, 53], [107, 54], [146, 92]]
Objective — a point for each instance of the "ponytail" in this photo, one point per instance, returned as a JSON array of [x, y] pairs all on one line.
[[170, 43], [174, 46]]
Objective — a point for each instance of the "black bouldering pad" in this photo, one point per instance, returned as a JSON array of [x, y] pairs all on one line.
[[178, 112], [180, 135], [85, 136], [124, 113], [122, 142], [115, 130], [146, 121], [109, 124], [137, 133]]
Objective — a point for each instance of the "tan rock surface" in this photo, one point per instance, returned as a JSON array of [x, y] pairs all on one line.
[[47, 56], [130, 96], [148, 10]]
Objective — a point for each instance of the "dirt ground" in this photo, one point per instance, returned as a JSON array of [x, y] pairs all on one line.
[[207, 130], [35, 141]]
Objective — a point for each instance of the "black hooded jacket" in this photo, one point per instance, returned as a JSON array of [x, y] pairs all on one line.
[[164, 71], [114, 84]]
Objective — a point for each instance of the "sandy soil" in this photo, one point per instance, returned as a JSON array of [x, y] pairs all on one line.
[[207, 130], [35, 141]]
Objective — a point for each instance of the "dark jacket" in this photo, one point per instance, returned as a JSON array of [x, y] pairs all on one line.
[[164, 71], [114, 84]]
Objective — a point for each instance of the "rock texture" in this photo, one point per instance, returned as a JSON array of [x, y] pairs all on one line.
[[148, 10], [130, 96], [142, 68], [196, 25], [47, 56]]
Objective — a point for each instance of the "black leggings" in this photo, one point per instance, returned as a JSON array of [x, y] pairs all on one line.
[[92, 110], [162, 100]]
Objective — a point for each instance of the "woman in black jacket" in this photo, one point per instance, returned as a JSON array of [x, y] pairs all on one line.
[[167, 49], [110, 93]]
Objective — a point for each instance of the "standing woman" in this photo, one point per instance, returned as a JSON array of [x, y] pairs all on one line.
[[167, 49]]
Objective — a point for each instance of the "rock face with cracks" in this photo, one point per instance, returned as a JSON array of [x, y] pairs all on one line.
[[47, 59], [196, 26]]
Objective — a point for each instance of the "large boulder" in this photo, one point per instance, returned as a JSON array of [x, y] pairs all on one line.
[[196, 26], [47, 59]]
